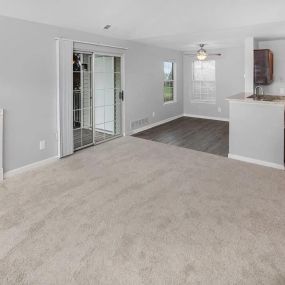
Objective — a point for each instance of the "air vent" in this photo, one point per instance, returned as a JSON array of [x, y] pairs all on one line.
[[107, 27], [139, 123]]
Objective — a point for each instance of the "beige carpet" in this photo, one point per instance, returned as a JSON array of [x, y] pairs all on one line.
[[132, 211]]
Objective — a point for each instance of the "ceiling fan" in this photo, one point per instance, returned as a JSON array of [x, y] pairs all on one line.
[[202, 54]]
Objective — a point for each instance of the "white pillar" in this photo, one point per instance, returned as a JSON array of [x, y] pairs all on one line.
[[249, 64]]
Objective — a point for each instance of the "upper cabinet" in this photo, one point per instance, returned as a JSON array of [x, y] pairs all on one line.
[[263, 66]]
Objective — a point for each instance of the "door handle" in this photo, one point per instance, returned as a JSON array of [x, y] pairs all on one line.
[[121, 96]]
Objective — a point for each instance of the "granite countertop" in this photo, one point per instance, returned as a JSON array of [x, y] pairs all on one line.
[[243, 97]]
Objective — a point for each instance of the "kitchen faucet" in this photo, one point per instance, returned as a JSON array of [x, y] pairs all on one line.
[[255, 91]]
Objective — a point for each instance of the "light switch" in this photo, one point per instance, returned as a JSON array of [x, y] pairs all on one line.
[[42, 145]]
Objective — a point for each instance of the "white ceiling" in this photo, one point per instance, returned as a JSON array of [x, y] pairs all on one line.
[[178, 24]]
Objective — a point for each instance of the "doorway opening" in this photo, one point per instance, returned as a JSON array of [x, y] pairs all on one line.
[[82, 100]]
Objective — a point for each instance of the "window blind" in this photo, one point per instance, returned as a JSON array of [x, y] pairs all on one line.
[[204, 81]]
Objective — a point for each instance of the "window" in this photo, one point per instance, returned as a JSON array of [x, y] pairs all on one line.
[[204, 81], [169, 82]]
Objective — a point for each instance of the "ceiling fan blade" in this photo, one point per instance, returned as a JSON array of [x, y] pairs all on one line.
[[194, 54], [218, 54]]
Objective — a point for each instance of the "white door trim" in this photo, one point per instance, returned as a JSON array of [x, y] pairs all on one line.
[[93, 44], [64, 51]]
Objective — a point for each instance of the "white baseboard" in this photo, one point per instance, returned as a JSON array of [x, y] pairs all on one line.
[[207, 117], [155, 124], [256, 161], [29, 167]]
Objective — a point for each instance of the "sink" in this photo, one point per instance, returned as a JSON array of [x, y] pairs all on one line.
[[266, 97]]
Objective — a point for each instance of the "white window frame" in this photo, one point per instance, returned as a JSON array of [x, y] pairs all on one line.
[[174, 82], [211, 99]]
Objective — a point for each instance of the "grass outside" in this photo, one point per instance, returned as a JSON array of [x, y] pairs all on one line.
[[168, 94]]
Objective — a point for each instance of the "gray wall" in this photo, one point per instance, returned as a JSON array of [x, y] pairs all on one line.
[[278, 48], [229, 81], [251, 139], [28, 86]]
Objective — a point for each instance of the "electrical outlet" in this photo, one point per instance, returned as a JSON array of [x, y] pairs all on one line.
[[282, 90], [42, 145], [153, 114], [219, 109]]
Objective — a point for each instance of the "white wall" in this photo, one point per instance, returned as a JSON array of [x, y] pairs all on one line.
[[278, 49], [28, 86], [251, 139], [229, 81]]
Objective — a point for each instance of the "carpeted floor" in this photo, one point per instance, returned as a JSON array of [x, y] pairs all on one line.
[[132, 211]]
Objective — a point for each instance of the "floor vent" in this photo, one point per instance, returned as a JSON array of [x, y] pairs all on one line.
[[139, 123]]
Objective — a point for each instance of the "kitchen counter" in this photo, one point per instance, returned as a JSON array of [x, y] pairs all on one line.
[[244, 97], [257, 130]]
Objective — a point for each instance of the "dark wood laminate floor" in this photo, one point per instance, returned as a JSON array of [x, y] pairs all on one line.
[[199, 134]]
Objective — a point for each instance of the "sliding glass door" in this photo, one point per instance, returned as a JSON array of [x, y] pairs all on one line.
[[108, 98], [82, 100], [97, 98]]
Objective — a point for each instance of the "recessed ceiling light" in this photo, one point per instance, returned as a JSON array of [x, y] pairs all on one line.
[[107, 27]]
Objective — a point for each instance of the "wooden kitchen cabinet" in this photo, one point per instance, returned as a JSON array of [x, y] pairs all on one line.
[[263, 66]]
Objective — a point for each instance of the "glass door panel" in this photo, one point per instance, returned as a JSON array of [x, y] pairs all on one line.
[[82, 100], [107, 97]]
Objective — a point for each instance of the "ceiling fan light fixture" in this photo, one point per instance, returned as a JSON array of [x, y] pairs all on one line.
[[201, 54]]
